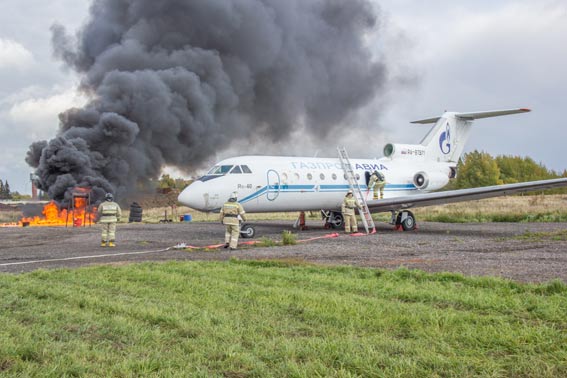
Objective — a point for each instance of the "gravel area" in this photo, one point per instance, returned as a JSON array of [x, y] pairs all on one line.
[[488, 249]]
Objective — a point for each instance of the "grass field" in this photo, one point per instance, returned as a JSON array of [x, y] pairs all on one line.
[[533, 208], [277, 319]]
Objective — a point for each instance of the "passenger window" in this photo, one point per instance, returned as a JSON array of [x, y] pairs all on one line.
[[322, 176], [334, 176], [236, 169], [357, 177], [309, 176], [245, 169]]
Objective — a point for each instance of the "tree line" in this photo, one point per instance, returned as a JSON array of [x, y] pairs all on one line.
[[478, 168], [5, 192], [168, 182]]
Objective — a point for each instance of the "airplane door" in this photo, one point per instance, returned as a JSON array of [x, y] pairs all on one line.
[[273, 188]]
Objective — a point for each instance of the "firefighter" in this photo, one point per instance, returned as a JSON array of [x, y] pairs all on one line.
[[349, 204], [230, 215], [108, 214], [377, 183]]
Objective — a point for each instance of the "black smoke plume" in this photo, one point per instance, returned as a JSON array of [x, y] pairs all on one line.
[[172, 82]]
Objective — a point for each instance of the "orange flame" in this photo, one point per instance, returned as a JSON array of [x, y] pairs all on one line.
[[53, 216]]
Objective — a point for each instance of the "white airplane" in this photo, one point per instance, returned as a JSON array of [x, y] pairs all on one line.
[[412, 172]]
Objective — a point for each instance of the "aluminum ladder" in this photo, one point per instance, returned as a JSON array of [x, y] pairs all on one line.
[[365, 215]]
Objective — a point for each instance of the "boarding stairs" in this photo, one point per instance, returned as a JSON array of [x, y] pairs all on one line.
[[365, 215]]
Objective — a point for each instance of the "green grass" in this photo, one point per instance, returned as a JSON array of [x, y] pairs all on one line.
[[277, 319], [288, 238], [479, 217]]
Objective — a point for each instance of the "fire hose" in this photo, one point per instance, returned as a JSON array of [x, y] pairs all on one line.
[[251, 242]]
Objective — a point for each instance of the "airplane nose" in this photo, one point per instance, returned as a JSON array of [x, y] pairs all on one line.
[[191, 196]]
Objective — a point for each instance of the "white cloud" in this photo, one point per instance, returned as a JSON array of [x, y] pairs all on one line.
[[38, 117], [14, 56], [33, 88]]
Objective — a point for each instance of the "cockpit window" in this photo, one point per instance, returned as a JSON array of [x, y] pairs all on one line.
[[220, 170], [210, 172]]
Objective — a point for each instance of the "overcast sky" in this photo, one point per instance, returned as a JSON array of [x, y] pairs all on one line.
[[458, 56]]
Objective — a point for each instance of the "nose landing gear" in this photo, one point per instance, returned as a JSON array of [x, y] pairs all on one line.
[[247, 231]]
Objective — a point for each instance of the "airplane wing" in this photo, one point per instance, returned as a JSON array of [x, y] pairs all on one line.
[[460, 195]]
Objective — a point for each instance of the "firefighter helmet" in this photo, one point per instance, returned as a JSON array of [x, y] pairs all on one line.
[[233, 197], [109, 197]]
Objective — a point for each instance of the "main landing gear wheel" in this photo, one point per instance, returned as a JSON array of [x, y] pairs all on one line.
[[406, 219], [337, 220], [247, 231]]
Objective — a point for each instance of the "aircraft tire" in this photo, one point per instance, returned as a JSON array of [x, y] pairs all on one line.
[[337, 220], [407, 220], [247, 231]]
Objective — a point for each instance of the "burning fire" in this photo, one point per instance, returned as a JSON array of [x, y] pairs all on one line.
[[53, 216], [79, 213]]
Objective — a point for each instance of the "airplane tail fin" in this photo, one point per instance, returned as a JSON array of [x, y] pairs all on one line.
[[446, 140]]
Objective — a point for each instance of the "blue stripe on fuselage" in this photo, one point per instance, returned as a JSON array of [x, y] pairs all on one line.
[[325, 188]]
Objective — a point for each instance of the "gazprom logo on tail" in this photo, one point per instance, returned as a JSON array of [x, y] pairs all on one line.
[[445, 140]]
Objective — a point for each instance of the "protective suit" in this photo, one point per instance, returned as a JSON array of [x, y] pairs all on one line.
[[377, 183], [109, 213], [350, 203], [230, 215]]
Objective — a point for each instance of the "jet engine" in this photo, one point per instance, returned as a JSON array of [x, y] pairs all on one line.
[[404, 151], [430, 181]]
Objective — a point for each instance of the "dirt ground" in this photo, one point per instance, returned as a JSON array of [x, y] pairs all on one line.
[[488, 249]]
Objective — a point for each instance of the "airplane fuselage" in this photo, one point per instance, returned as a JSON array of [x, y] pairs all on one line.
[[412, 171], [276, 183]]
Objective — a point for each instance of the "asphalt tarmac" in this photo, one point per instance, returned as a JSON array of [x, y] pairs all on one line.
[[527, 252]]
